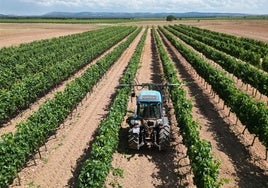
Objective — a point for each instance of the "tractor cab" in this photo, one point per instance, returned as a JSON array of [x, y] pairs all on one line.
[[149, 105]]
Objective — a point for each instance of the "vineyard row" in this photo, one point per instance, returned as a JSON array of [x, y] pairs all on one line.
[[204, 167], [96, 168], [24, 92], [16, 150], [244, 71], [253, 52], [252, 114]]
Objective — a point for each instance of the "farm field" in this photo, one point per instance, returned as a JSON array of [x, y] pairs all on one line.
[[16, 33], [59, 161], [256, 29]]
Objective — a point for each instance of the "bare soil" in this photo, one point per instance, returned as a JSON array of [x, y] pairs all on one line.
[[256, 29], [12, 34]]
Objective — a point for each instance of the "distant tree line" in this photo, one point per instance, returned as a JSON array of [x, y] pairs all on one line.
[[170, 18]]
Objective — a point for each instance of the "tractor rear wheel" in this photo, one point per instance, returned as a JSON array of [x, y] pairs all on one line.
[[133, 140], [164, 138]]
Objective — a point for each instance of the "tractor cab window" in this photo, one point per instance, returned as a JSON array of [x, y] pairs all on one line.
[[149, 110]]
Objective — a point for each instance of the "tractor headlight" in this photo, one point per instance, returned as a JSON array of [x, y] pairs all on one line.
[[160, 123], [135, 123]]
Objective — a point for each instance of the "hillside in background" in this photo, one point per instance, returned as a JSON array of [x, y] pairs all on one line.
[[136, 15], [131, 15]]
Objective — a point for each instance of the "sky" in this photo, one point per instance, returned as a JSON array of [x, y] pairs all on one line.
[[40, 7]]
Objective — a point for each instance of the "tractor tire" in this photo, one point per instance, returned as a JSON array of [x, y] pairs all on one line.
[[133, 140], [164, 138]]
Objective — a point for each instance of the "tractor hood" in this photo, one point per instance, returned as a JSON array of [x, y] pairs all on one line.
[[149, 96]]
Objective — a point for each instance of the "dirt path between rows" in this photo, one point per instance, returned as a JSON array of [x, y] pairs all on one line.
[[65, 151], [241, 165], [150, 167]]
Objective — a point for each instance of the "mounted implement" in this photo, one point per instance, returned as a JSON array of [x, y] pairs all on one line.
[[149, 125]]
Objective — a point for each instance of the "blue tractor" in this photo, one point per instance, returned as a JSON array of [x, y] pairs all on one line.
[[149, 125]]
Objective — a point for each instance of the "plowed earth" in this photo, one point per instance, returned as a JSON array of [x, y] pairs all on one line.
[[242, 165], [15, 34]]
